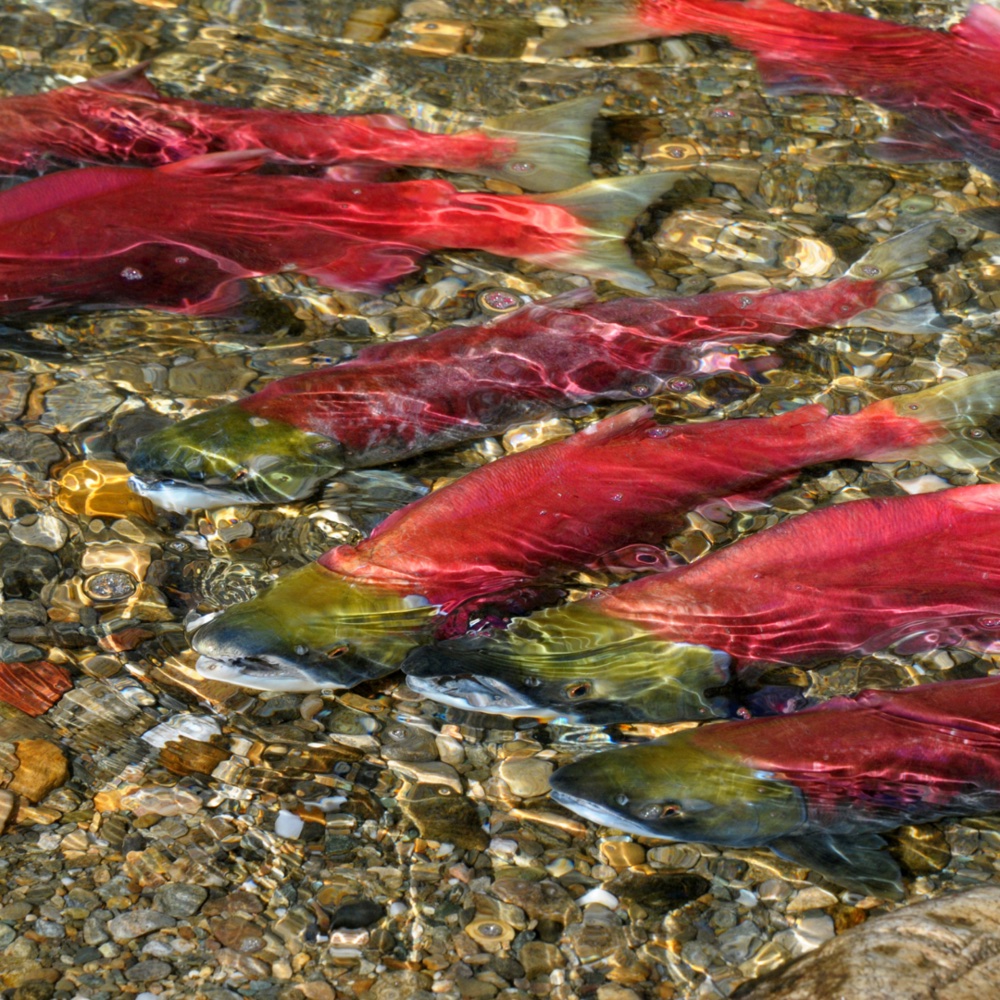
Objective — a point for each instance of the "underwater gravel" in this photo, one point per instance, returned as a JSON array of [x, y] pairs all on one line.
[[170, 837]]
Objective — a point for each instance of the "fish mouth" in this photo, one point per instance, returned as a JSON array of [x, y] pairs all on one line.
[[313, 629], [180, 497], [478, 694], [267, 673], [596, 813]]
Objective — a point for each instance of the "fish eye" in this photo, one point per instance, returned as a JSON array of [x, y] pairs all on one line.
[[241, 474], [578, 689]]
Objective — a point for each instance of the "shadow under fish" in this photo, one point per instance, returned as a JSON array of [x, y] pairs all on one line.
[[399, 399], [816, 787], [509, 532]]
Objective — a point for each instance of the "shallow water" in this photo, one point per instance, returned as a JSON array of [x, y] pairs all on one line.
[[286, 809]]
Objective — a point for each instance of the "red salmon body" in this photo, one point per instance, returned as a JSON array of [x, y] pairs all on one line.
[[855, 578], [181, 236], [122, 118], [506, 531], [539, 514]]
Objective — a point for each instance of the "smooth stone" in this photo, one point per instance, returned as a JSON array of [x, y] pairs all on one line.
[[356, 914], [527, 777], [136, 923], [148, 971], [180, 899], [44, 531], [947, 946]]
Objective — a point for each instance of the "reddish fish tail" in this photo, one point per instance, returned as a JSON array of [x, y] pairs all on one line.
[[547, 149], [945, 425], [606, 210]]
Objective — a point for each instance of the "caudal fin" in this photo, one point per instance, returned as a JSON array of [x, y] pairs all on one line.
[[905, 253], [607, 210], [908, 311], [552, 150], [603, 29], [943, 425]]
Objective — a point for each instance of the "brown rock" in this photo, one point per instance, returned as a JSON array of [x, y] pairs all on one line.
[[946, 947], [43, 767], [33, 687]]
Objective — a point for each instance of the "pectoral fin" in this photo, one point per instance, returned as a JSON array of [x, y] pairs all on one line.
[[857, 862]]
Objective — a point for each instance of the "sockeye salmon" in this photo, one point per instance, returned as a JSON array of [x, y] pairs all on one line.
[[816, 786], [399, 399], [943, 83], [122, 118], [914, 572], [502, 536], [181, 237]]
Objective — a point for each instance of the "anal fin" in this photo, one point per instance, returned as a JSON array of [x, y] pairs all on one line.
[[859, 862]]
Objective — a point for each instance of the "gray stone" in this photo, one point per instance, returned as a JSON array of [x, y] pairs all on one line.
[[136, 923], [95, 930], [948, 946], [180, 899], [148, 971]]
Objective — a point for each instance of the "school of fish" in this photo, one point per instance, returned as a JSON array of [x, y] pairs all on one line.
[[466, 588]]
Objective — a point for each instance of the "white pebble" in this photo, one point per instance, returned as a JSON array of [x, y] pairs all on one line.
[[288, 824], [601, 896], [924, 484]]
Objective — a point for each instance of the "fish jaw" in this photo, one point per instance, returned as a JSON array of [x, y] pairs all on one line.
[[230, 455], [479, 694], [313, 630], [573, 662], [673, 789]]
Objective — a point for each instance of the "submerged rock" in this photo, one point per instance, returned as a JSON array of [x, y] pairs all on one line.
[[946, 947]]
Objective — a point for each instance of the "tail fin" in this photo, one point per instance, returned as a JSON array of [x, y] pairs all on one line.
[[609, 29], [607, 210], [902, 254], [908, 311], [942, 425], [552, 145]]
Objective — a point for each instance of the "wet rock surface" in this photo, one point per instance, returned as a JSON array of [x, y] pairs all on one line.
[[941, 947], [169, 836]]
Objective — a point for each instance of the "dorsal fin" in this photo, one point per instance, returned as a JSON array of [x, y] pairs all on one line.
[[234, 161], [132, 80]]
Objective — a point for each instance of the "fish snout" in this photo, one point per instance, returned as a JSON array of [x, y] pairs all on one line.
[[247, 648]]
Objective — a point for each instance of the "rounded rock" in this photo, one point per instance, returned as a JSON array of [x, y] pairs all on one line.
[[180, 899]]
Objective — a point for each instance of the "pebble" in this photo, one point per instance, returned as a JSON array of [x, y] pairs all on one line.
[[136, 923], [149, 971], [180, 899], [44, 531], [601, 896], [288, 825], [813, 898]]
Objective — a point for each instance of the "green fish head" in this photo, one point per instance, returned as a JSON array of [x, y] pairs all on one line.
[[674, 789], [314, 630], [575, 663], [228, 455]]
